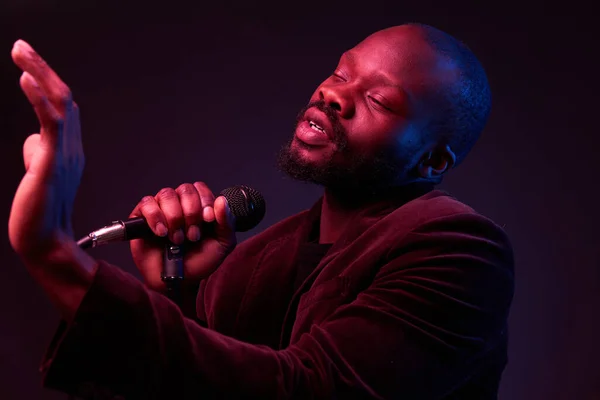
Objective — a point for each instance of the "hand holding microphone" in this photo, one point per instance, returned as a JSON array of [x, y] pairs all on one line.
[[189, 214]]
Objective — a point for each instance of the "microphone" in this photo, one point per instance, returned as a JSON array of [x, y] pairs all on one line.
[[246, 204]]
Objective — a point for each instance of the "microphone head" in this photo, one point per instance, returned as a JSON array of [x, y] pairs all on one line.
[[247, 204]]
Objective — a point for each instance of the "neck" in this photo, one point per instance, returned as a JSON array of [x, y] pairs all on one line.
[[338, 207], [335, 214]]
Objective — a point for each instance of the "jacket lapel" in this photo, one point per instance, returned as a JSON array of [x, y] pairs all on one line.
[[371, 214]]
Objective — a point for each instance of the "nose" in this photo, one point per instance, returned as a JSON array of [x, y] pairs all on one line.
[[338, 99]]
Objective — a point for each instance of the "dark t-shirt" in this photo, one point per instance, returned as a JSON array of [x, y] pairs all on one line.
[[309, 256]]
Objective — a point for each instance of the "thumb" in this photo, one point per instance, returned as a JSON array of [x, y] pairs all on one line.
[[29, 147], [225, 229]]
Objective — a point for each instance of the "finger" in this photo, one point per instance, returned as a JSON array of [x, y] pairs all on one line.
[[29, 61], [29, 148], [149, 209], [168, 200], [191, 206], [74, 142], [225, 226], [208, 199], [50, 120]]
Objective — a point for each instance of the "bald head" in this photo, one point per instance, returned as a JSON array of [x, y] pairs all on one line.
[[462, 102], [405, 104]]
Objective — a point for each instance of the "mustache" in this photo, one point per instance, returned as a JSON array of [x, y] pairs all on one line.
[[339, 133]]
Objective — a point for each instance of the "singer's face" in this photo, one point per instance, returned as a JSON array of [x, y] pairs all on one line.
[[362, 125]]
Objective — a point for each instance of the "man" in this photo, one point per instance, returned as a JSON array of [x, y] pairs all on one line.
[[385, 288]]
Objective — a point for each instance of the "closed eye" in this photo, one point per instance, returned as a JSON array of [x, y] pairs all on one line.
[[338, 76], [379, 103]]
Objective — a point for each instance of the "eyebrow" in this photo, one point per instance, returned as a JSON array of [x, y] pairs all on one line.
[[348, 54]]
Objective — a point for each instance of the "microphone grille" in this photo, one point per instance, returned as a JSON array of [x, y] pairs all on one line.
[[247, 204]]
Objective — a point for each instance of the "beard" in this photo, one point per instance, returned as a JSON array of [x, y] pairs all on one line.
[[347, 169]]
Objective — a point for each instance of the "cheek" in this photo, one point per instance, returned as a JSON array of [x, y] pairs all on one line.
[[409, 138], [409, 145], [370, 135]]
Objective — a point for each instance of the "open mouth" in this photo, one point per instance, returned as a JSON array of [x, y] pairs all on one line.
[[316, 127]]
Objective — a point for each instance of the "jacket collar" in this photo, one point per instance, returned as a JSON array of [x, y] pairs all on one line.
[[371, 210]]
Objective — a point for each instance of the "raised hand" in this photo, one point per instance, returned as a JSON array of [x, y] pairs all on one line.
[[39, 226], [40, 217]]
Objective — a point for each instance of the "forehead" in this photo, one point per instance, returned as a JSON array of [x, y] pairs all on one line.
[[403, 54]]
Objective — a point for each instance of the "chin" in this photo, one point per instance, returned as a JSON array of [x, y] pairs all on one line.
[[313, 155]]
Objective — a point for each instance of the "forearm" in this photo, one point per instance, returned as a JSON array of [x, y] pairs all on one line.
[[135, 342], [65, 272]]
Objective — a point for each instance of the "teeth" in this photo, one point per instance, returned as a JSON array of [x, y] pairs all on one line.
[[316, 127]]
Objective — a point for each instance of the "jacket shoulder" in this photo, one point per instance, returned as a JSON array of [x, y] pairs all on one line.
[[441, 213], [439, 203], [436, 205]]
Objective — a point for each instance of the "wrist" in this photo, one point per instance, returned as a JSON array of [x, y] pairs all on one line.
[[64, 271]]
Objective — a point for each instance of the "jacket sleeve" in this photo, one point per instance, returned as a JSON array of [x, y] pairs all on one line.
[[438, 303]]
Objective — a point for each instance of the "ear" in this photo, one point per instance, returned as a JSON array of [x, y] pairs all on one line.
[[436, 162]]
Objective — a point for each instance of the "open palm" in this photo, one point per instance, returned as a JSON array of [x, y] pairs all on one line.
[[41, 210]]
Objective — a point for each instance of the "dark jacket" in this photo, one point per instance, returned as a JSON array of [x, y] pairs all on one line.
[[410, 303]]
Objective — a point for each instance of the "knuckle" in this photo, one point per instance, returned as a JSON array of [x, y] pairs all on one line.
[[206, 195], [146, 204], [202, 187], [207, 199], [146, 200], [166, 194], [186, 189], [191, 214], [154, 214], [66, 96], [58, 121]]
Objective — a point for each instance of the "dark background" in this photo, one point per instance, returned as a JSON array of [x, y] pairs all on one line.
[[183, 93]]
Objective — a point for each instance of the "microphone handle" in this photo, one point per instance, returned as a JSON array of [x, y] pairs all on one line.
[[136, 228], [172, 272]]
